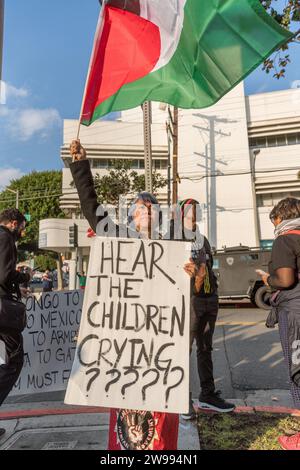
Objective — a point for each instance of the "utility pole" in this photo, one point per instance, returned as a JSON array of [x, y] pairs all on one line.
[[170, 137], [175, 156], [17, 193], [253, 155], [172, 132], [147, 115]]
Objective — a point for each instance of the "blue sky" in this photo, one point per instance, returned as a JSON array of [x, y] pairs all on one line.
[[46, 54]]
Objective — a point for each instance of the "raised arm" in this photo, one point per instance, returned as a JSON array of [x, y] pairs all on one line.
[[83, 179]]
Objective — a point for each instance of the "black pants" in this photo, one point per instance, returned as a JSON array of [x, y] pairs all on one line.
[[10, 371], [204, 312]]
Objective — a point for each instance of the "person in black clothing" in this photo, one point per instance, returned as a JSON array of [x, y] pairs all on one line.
[[204, 309], [12, 225], [283, 278], [47, 281]]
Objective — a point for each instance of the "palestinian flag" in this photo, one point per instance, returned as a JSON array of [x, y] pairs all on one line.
[[188, 53]]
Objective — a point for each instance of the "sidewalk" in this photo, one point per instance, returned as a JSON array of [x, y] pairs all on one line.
[[55, 426]]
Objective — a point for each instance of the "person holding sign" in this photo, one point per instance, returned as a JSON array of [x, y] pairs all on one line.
[[204, 304], [129, 429]]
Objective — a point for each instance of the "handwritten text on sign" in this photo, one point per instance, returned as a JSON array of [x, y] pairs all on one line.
[[52, 323], [133, 347]]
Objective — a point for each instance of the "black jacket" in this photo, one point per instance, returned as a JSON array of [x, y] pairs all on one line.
[[83, 179], [9, 277]]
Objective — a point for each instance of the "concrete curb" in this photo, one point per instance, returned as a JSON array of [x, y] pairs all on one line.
[[258, 409], [6, 416], [35, 413]]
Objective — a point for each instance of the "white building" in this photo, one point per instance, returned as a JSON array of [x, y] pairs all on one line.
[[237, 158]]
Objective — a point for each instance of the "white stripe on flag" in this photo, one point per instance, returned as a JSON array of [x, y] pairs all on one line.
[[168, 15]]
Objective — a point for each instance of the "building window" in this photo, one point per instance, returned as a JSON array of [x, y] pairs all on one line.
[[216, 264], [104, 164], [293, 139], [275, 140], [160, 164], [100, 163], [135, 164], [266, 244], [271, 199]]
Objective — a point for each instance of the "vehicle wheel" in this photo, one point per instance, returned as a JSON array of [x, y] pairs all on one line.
[[262, 298]]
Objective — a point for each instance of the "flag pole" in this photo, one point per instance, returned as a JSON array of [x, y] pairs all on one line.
[[102, 3]]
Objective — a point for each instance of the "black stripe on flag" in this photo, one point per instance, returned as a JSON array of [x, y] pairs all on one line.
[[129, 5]]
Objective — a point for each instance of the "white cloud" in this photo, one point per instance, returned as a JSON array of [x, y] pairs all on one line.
[[8, 174], [4, 111], [36, 121], [13, 92], [295, 84], [8, 91], [23, 124], [263, 87]]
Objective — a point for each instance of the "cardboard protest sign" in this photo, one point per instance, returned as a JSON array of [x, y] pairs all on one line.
[[133, 345], [52, 322]]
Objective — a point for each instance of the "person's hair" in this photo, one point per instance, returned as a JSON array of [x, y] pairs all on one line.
[[9, 215], [145, 197], [185, 206], [286, 209]]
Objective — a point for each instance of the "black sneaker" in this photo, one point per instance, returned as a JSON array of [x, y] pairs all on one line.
[[214, 402], [191, 415], [2, 432]]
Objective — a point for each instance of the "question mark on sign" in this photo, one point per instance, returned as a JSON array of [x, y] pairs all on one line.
[[96, 373], [179, 369], [113, 381], [125, 386], [150, 383]]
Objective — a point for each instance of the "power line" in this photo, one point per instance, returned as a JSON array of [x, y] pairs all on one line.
[[197, 177]]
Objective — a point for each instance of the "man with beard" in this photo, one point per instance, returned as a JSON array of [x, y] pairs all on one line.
[[12, 226]]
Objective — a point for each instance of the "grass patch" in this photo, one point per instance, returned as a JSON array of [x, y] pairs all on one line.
[[232, 431]]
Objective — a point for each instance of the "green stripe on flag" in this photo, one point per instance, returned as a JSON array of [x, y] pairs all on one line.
[[222, 42]]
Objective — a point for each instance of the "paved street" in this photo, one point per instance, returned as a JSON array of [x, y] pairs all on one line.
[[248, 359]]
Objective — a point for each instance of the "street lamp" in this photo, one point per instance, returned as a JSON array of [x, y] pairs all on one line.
[[17, 196]]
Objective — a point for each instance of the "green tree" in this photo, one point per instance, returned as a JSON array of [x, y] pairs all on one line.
[[286, 16], [122, 181], [138, 182], [114, 184], [39, 197], [46, 261]]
